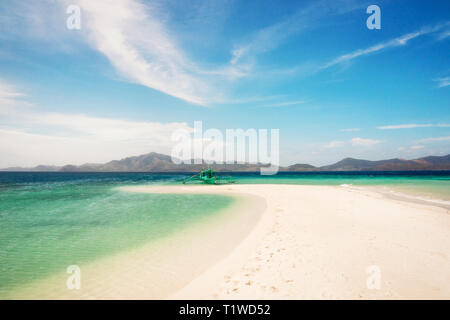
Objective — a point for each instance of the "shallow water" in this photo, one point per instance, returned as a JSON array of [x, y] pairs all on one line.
[[47, 226], [434, 185]]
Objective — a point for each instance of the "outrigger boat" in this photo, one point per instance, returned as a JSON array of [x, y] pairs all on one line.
[[208, 176]]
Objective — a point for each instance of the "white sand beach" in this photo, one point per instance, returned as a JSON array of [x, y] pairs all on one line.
[[324, 242]]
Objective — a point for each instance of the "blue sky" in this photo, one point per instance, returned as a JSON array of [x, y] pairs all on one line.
[[138, 70]]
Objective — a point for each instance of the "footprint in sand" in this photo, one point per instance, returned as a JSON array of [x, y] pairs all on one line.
[[289, 281]]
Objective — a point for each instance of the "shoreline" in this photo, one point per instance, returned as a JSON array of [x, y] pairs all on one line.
[[282, 241], [407, 197]]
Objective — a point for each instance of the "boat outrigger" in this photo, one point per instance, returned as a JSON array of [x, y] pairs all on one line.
[[208, 176]]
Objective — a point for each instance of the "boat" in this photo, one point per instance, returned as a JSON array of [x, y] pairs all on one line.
[[208, 176]]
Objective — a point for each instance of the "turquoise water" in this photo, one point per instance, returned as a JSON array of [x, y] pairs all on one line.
[[49, 221], [435, 185], [46, 227]]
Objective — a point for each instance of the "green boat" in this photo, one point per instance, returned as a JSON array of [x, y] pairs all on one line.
[[208, 176]]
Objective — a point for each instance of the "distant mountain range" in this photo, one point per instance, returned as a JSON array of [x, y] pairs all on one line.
[[156, 162]]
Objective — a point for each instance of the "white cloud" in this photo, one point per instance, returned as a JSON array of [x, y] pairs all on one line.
[[8, 93], [364, 142], [272, 36], [355, 142], [447, 138], [411, 126], [137, 43], [335, 144], [29, 138], [265, 40], [419, 150], [9, 96], [443, 82], [397, 42], [350, 130], [283, 104], [79, 138], [136, 38], [444, 35], [404, 126]]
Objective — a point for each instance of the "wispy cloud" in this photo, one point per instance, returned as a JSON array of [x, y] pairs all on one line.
[[272, 36], [284, 104], [435, 139], [252, 99], [404, 126], [397, 42], [78, 138], [444, 35], [28, 137], [350, 129], [356, 142], [8, 94], [10, 98], [412, 125], [443, 82], [335, 144], [120, 30], [413, 149], [364, 142], [135, 36]]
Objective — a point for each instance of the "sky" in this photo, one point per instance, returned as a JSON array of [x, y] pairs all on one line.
[[138, 70]]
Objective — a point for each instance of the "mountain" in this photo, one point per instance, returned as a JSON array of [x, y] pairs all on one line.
[[426, 163], [300, 167], [40, 168], [156, 162]]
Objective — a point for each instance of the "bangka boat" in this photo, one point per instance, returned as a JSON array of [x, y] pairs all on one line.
[[208, 176]]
